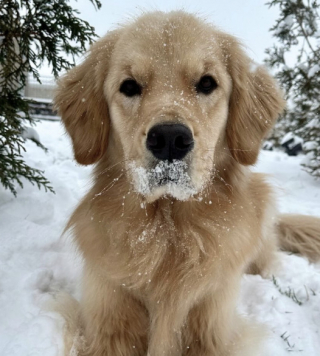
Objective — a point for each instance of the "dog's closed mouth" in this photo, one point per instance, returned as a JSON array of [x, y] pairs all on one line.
[[172, 176], [167, 180], [169, 172]]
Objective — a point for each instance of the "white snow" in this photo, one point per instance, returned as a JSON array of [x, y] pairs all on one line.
[[290, 135], [30, 133], [313, 70], [286, 24], [314, 123], [289, 20], [178, 182], [310, 145], [35, 262]]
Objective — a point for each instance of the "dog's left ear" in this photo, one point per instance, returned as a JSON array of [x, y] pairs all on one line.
[[255, 103], [81, 102]]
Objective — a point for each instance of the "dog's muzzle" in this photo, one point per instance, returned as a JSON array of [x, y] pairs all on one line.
[[169, 174], [169, 142]]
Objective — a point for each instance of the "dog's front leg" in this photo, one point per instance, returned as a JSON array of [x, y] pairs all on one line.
[[208, 327], [114, 322], [214, 328], [166, 322]]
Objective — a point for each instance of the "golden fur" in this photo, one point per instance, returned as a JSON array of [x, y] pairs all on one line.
[[162, 273]]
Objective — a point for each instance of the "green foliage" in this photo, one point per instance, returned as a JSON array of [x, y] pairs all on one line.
[[296, 60], [285, 337], [31, 32], [288, 293]]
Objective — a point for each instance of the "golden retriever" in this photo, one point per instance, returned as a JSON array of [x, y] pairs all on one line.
[[172, 112]]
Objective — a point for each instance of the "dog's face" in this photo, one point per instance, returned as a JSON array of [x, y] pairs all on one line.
[[168, 103], [175, 97]]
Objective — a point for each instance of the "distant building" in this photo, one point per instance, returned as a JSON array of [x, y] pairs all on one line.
[[42, 96], [43, 91]]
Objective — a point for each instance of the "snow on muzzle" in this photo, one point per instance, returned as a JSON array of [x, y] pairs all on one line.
[[169, 144], [166, 178]]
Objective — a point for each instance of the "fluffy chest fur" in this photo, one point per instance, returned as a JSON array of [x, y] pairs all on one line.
[[149, 248]]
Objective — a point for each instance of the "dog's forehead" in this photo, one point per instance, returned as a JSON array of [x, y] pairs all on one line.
[[169, 39]]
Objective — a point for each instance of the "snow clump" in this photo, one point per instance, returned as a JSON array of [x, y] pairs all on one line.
[[166, 178]]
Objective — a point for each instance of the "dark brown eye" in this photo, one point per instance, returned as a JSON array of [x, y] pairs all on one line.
[[206, 85], [130, 88]]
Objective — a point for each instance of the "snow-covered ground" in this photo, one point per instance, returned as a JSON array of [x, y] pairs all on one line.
[[35, 261]]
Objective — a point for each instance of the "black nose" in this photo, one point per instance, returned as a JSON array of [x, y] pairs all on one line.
[[170, 141]]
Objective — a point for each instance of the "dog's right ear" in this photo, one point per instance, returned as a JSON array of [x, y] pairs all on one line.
[[255, 103], [81, 102]]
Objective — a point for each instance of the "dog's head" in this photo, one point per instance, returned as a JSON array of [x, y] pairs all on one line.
[[171, 97]]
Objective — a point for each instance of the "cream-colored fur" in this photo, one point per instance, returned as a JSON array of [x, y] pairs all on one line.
[[300, 234], [162, 273]]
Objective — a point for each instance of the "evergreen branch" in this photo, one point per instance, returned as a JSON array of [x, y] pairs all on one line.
[[32, 31], [306, 37]]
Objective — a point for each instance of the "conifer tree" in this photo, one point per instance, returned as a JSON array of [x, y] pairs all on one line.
[[296, 60], [31, 32]]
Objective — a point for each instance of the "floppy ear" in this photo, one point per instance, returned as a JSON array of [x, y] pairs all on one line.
[[81, 103], [255, 103]]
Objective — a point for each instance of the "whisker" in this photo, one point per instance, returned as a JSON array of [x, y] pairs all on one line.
[[215, 174], [112, 166], [108, 187]]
